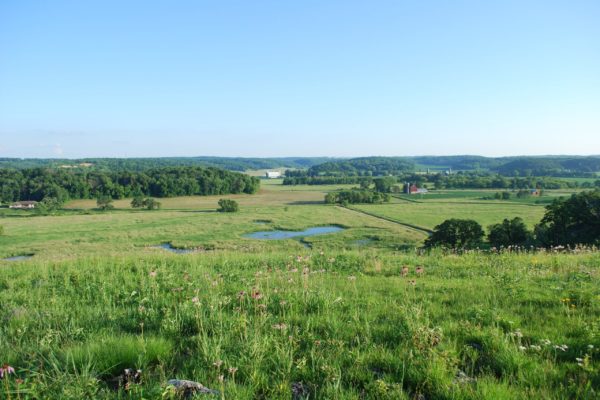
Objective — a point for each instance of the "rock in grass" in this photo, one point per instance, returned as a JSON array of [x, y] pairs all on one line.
[[189, 388]]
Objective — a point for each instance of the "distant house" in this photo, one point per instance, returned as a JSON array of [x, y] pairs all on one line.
[[535, 192], [273, 174], [23, 205]]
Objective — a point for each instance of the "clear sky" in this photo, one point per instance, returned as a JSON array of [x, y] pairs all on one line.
[[124, 78]]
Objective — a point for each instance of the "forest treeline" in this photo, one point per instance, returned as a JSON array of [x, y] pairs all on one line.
[[64, 184], [142, 164], [460, 180]]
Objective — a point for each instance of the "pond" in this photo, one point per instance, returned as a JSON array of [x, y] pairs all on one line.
[[169, 247], [18, 258], [276, 235]]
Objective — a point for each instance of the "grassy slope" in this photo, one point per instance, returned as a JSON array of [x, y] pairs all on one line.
[[348, 326]]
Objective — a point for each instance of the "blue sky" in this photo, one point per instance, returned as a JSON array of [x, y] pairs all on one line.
[[298, 78]]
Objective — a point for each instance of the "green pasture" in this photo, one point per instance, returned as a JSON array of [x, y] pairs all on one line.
[[119, 231]]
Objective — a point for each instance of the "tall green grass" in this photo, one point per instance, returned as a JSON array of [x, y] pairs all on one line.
[[340, 325]]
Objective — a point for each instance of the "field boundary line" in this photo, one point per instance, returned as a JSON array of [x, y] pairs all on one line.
[[405, 199], [415, 227]]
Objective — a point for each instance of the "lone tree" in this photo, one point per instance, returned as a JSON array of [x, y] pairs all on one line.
[[571, 221], [104, 203], [227, 205], [456, 234], [509, 233]]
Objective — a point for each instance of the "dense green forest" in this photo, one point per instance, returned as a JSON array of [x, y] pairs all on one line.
[[64, 184], [142, 164], [364, 166]]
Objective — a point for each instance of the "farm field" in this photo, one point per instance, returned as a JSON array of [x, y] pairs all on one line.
[[429, 214]]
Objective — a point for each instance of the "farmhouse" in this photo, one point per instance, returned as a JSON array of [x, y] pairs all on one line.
[[23, 204], [414, 189], [273, 174]]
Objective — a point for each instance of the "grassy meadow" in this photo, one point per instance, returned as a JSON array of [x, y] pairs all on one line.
[[357, 314]]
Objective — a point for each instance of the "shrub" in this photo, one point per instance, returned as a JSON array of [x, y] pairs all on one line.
[[228, 205], [148, 203], [105, 203]]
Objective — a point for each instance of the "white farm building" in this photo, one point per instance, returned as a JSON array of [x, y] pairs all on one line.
[[273, 174]]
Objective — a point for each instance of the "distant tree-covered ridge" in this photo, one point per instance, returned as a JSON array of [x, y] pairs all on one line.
[[143, 164], [364, 166], [505, 166], [563, 166], [64, 184]]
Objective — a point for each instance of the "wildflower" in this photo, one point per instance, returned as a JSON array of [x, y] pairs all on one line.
[[562, 347], [195, 300], [256, 295], [186, 276], [546, 342], [153, 274], [282, 303], [351, 278], [331, 260], [294, 270], [218, 363], [412, 282], [232, 370], [221, 378], [517, 333], [241, 294], [280, 327], [522, 348], [6, 370], [535, 347], [419, 270], [404, 271], [305, 271], [317, 342]]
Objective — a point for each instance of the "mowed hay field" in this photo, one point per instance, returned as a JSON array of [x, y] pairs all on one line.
[[331, 325], [429, 214]]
